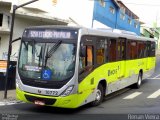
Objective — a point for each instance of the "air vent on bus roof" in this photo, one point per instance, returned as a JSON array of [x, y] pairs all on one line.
[[124, 32], [106, 29], [117, 31]]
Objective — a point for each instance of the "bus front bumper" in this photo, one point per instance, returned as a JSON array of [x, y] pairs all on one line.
[[70, 101]]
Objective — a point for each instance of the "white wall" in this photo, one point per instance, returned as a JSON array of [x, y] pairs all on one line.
[[5, 11], [4, 37], [44, 5], [3, 45], [79, 10]]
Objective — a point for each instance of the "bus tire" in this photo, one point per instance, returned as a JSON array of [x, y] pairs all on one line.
[[139, 81], [99, 96]]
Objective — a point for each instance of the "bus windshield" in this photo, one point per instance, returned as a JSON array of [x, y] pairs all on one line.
[[47, 61]]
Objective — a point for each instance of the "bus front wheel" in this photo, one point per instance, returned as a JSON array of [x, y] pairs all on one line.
[[99, 96]]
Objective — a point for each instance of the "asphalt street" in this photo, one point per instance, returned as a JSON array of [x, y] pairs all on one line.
[[120, 105]]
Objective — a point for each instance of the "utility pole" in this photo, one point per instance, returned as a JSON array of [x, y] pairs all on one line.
[[15, 7]]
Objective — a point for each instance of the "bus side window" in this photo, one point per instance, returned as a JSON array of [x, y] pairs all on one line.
[[141, 49], [132, 53], [145, 50], [89, 55], [121, 49], [148, 48], [152, 49], [112, 50], [100, 51], [86, 61]]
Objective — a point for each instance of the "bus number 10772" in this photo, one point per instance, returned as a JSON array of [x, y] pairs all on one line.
[[50, 92]]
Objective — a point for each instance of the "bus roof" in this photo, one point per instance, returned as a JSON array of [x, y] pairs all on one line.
[[97, 32], [53, 26]]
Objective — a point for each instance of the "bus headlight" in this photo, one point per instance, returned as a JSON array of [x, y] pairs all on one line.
[[67, 91], [18, 85]]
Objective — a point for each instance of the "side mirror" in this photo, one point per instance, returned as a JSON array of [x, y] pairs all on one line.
[[83, 51]]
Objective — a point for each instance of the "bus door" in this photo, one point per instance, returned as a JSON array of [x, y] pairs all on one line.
[[121, 56]]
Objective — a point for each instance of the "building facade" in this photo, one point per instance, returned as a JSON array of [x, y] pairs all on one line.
[[31, 15], [151, 33], [115, 14]]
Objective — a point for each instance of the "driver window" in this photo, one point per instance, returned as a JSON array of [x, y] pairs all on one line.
[[87, 59]]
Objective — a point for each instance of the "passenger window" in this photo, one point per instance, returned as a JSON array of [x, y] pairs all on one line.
[[121, 49], [145, 50], [112, 50], [100, 51], [132, 50], [152, 49], [141, 49], [86, 61], [89, 55]]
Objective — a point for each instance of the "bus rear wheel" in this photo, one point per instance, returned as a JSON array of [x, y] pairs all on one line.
[[139, 81], [99, 96]]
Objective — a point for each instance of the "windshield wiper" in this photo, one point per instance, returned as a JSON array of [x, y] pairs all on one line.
[[52, 50], [34, 48], [40, 57]]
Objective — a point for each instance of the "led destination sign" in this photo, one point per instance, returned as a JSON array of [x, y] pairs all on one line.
[[49, 34], [52, 34]]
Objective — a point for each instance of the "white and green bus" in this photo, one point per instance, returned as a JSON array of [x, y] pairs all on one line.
[[68, 67]]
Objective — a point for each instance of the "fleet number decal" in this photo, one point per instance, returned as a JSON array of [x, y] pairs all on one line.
[[49, 92]]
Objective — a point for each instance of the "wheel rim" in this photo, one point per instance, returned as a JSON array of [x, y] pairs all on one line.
[[98, 95], [139, 80]]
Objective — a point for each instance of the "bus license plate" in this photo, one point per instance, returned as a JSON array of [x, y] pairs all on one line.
[[37, 102]]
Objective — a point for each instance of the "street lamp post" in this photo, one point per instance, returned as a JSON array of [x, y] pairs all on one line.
[[15, 7]]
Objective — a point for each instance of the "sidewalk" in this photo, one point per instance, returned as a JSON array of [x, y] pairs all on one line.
[[11, 95], [158, 52]]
